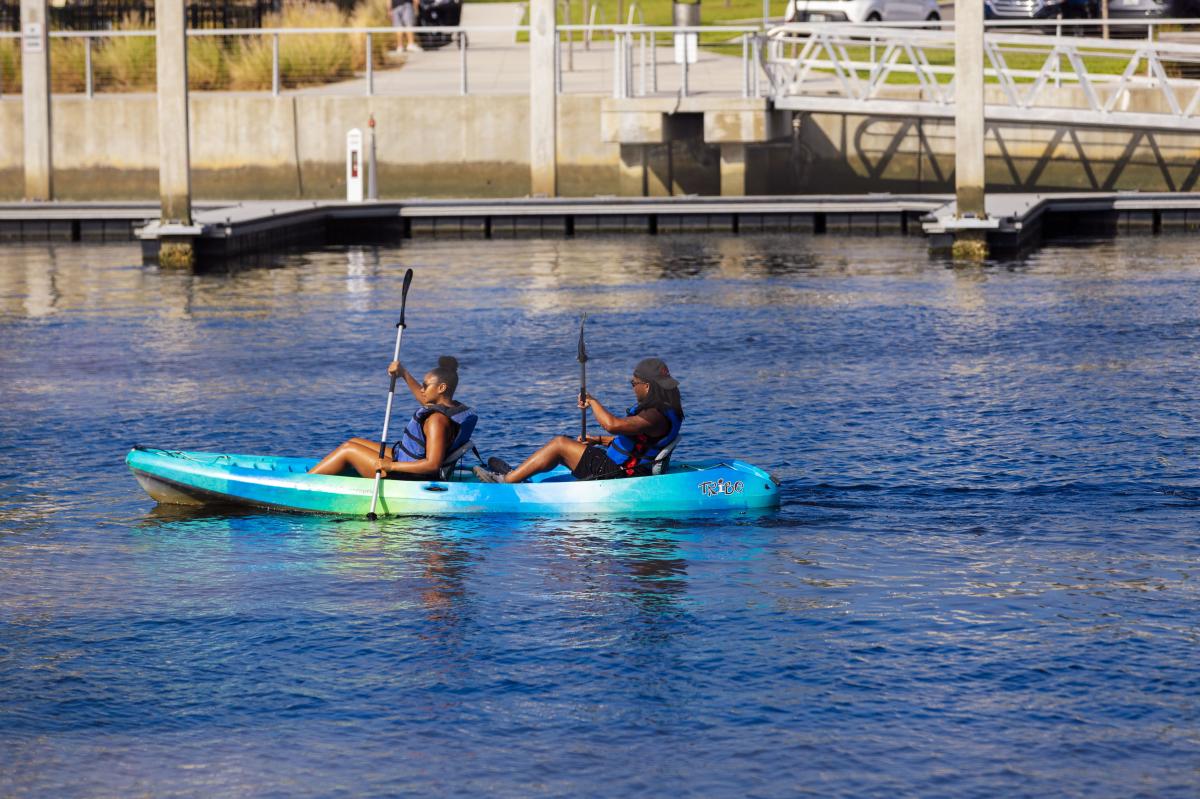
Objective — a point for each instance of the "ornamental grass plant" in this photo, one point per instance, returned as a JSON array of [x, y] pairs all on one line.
[[125, 63], [10, 66], [371, 14], [249, 61], [242, 63], [68, 65], [306, 60], [208, 63]]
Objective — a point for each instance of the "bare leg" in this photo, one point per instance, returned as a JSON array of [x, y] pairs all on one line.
[[358, 453], [559, 449]]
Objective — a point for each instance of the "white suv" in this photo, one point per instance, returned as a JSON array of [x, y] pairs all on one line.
[[861, 10]]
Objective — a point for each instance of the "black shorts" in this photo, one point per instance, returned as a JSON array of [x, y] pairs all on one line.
[[595, 464]]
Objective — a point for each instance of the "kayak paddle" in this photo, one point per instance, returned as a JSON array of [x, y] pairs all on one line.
[[387, 415], [582, 377]]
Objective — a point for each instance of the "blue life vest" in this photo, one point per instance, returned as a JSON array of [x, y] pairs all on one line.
[[635, 454], [411, 446]]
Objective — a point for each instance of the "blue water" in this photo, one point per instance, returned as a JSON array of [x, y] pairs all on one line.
[[982, 581]]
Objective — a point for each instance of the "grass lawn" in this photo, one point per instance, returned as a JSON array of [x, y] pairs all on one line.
[[1030, 59], [658, 12]]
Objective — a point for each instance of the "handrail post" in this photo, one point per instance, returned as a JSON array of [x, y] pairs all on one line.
[[87, 65], [558, 66], [683, 68], [642, 54], [370, 68], [464, 42], [618, 82], [275, 65], [745, 65], [570, 42], [628, 52], [756, 55], [1150, 42], [654, 63]]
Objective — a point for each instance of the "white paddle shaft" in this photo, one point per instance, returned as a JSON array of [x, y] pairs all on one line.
[[387, 418]]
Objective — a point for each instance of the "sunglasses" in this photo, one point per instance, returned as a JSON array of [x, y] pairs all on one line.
[[636, 383]]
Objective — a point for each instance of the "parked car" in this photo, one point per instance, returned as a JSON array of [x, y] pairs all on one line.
[[1140, 9], [1091, 9], [861, 10], [437, 13], [1041, 9]]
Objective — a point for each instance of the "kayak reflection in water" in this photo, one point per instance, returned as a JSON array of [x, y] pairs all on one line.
[[649, 427], [438, 427]]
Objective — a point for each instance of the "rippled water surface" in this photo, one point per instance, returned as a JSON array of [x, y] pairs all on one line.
[[982, 581]]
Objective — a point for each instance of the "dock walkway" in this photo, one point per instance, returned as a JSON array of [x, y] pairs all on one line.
[[236, 229]]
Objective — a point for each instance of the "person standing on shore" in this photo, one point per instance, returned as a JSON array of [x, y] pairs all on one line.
[[404, 15]]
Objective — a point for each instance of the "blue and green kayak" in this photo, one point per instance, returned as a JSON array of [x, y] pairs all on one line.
[[202, 478]]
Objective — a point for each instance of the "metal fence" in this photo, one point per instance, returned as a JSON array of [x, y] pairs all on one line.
[[108, 14], [664, 60], [621, 61], [617, 60], [1125, 82]]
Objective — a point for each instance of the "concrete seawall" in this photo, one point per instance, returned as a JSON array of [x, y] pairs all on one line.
[[263, 147]]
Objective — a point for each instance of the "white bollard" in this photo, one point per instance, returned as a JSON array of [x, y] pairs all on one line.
[[354, 166]]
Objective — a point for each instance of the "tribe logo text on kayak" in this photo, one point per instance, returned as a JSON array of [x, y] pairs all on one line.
[[711, 488]]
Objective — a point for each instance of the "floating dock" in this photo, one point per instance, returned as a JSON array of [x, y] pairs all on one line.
[[246, 228], [228, 230]]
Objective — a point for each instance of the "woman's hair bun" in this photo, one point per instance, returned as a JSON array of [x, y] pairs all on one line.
[[448, 362]]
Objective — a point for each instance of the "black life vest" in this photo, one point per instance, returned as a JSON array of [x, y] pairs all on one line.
[[411, 446], [635, 454]]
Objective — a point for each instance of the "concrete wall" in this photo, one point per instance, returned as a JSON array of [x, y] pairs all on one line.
[[251, 145], [257, 146]]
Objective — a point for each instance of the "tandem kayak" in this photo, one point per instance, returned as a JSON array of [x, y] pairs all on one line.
[[202, 478]]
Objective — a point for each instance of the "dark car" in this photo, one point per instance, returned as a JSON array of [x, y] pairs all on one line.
[[433, 14], [1090, 9], [1042, 9]]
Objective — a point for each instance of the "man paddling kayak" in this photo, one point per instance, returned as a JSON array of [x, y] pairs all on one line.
[[649, 427], [438, 427]]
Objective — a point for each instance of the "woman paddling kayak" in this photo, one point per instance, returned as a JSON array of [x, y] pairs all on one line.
[[648, 428], [438, 427]]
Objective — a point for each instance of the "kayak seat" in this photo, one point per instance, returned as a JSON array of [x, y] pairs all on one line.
[[662, 461], [446, 470]]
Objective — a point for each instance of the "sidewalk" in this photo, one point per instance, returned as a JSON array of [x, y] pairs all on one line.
[[497, 64]]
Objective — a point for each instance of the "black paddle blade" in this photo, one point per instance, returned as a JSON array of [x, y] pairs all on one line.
[[404, 296], [582, 350]]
